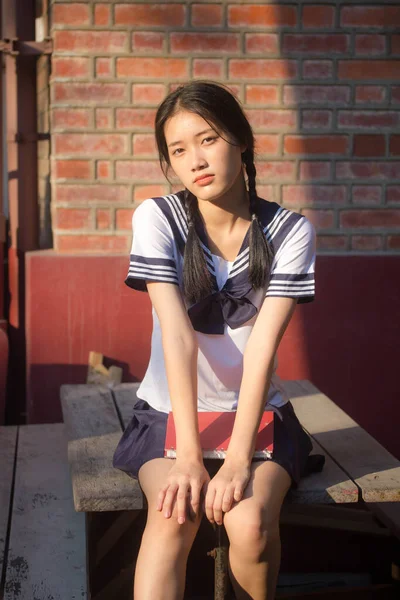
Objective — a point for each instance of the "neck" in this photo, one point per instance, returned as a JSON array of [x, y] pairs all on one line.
[[225, 210]]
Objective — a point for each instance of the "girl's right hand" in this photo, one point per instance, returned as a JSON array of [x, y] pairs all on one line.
[[185, 481]]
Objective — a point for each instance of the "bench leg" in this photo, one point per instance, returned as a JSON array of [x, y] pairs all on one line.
[[220, 555]]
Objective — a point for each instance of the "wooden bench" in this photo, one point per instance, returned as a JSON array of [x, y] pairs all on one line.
[[358, 490], [42, 538]]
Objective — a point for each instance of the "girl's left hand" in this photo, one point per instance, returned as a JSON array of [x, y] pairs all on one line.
[[226, 487]]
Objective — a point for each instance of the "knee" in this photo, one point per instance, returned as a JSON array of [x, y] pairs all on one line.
[[169, 530], [251, 533]]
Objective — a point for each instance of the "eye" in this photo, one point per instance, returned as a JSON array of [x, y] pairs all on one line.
[[209, 139], [176, 152]]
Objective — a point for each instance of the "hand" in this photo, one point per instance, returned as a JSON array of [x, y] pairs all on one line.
[[226, 487], [186, 478]]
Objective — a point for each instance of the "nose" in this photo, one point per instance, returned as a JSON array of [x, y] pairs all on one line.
[[198, 159]]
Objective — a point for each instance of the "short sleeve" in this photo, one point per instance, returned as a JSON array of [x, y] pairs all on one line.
[[293, 268], [152, 252]]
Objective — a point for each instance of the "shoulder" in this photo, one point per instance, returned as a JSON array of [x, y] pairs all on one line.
[[281, 224]]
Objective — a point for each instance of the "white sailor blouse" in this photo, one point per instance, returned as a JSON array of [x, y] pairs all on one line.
[[224, 319]]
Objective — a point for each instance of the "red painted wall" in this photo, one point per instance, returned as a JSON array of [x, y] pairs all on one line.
[[346, 342]]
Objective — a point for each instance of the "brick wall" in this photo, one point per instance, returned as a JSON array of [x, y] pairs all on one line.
[[319, 82]]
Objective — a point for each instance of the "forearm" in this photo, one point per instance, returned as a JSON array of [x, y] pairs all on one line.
[[180, 356], [257, 372]]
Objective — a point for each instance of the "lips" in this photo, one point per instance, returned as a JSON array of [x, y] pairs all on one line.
[[204, 178]]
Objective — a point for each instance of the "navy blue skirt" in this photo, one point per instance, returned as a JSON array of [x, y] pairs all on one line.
[[144, 440]]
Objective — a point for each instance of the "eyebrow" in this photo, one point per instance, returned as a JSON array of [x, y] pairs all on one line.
[[197, 135]]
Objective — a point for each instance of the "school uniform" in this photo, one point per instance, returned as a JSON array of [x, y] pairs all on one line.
[[222, 321]]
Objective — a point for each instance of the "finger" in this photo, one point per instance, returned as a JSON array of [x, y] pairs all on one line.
[[209, 503], [195, 498], [238, 493], [217, 506], [161, 496], [181, 502], [169, 498], [227, 499]]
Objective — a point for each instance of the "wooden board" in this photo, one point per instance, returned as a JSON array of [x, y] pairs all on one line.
[[8, 438], [94, 430], [46, 556], [370, 465]]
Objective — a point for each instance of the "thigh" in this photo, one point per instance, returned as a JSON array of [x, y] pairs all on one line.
[[263, 497]]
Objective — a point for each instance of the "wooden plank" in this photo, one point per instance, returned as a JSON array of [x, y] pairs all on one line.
[[370, 465], [94, 430], [8, 438], [47, 541]]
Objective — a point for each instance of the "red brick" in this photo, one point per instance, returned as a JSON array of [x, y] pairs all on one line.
[[369, 145], [316, 119], [394, 145], [92, 194], [267, 43], [370, 44], [90, 93], [72, 169], [93, 243], [393, 194], [206, 15], [262, 119], [275, 171], [395, 45], [315, 170], [316, 43], [316, 94], [268, 192], [379, 170], [144, 144], [138, 170], [135, 118], [151, 94], [395, 94], [73, 218], [267, 144], [313, 194], [86, 144], [253, 15], [103, 219], [92, 42], [104, 118], [102, 14], [321, 219], [124, 218], [370, 16], [262, 94], [370, 218], [71, 118], [366, 194], [76, 67], [208, 68], [104, 67], [205, 42], [318, 16], [370, 94], [317, 69], [148, 41], [262, 69], [142, 192], [364, 119], [332, 242], [316, 144], [152, 68], [71, 13], [147, 15], [104, 169], [366, 242], [357, 70], [393, 242]]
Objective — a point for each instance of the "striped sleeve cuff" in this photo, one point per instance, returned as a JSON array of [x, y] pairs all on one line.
[[288, 285], [152, 269]]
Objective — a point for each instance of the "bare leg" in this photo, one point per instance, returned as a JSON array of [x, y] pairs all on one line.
[[252, 526], [161, 565]]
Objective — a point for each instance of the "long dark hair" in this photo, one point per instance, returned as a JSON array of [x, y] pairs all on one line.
[[216, 105]]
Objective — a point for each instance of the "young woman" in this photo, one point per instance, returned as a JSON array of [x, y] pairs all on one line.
[[224, 270]]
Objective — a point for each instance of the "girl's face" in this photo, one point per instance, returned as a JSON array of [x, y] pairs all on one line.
[[206, 164]]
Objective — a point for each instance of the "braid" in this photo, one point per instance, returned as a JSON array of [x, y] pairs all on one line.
[[196, 276], [260, 253]]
